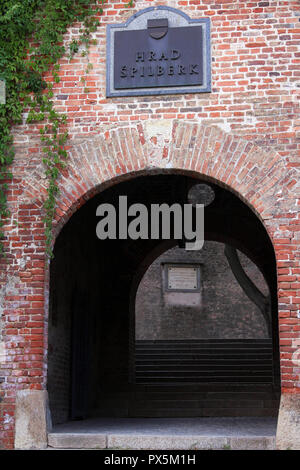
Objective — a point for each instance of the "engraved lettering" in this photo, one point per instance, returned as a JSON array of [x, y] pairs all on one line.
[[171, 70], [123, 71], [181, 70], [139, 57], [163, 56], [160, 70], [175, 54], [151, 56], [193, 69], [176, 62]]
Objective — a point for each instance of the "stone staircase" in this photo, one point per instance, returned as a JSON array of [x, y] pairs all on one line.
[[205, 401], [206, 378], [191, 400], [207, 360]]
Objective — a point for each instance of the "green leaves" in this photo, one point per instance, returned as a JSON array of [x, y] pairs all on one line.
[[31, 36], [34, 82], [74, 47]]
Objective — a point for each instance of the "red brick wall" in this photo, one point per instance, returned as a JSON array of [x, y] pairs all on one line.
[[244, 135]]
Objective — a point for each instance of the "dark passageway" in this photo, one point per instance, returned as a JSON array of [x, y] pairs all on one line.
[[92, 334]]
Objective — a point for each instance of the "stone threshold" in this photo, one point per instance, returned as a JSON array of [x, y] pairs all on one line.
[[166, 434]]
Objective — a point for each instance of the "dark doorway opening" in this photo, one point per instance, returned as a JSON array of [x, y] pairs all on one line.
[[92, 334]]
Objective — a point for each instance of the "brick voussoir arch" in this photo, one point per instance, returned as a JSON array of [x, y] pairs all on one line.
[[259, 178], [97, 163], [254, 175]]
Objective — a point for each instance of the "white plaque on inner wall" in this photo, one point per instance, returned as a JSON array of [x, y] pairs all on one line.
[[182, 278]]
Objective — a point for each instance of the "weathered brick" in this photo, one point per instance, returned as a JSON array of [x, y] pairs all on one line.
[[244, 135]]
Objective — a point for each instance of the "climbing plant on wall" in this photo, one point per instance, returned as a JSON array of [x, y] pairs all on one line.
[[31, 36]]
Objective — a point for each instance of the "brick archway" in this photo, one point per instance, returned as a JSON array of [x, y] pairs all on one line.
[[261, 179]]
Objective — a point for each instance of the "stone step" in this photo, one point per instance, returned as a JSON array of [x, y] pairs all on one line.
[[187, 404], [203, 350], [204, 360], [202, 367], [199, 346], [201, 374], [189, 396], [210, 361], [229, 387], [203, 412], [204, 341], [192, 379], [197, 399], [203, 403], [177, 434]]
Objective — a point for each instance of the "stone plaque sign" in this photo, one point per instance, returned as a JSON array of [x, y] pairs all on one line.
[[2, 91], [144, 62], [159, 50], [182, 278]]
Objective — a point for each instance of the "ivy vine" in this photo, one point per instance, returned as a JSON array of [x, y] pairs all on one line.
[[31, 43]]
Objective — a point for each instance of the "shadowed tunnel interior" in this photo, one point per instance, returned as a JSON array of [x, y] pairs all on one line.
[[93, 285]]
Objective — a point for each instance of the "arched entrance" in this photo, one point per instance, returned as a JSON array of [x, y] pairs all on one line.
[[257, 178], [93, 283], [260, 178]]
